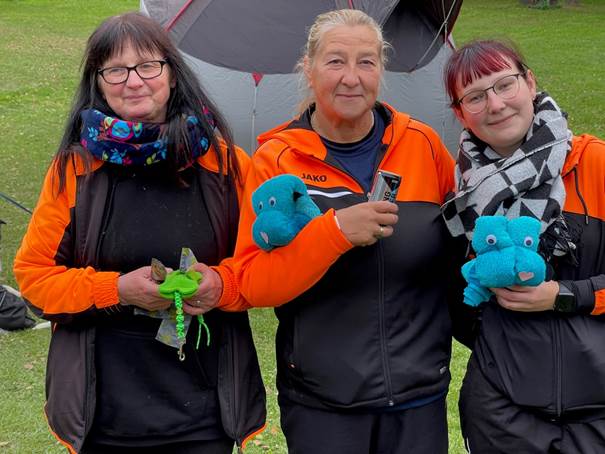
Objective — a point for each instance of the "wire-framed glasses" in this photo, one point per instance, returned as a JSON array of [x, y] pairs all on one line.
[[119, 74], [506, 87]]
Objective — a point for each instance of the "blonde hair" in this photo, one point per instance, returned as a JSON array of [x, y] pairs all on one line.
[[324, 23]]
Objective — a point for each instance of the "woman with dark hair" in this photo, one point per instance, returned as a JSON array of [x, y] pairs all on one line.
[[535, 379], [146, 166]]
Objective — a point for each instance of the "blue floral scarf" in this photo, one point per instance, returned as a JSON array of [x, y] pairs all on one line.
[[130, 143]]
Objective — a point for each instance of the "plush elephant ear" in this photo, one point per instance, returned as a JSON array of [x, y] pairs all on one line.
[[298, 185], [490, 234], [305, 204], [525, 232]]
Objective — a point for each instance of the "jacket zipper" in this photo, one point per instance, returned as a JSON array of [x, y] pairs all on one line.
[[235, 400], [558, 371], [89, 391], [383, 335], [105, 220], [383, 343]]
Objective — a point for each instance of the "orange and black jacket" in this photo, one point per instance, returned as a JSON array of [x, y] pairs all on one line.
[[551, 362], [56, 268], [359, 327]]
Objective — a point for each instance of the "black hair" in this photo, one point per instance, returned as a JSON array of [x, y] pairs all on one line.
[[186, 98]]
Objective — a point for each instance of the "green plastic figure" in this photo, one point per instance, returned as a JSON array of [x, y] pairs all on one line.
[[179, 285]]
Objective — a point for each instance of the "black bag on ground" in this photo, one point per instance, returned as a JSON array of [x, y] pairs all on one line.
[[13, 311]]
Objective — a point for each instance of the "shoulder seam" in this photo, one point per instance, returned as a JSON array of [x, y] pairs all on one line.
[[426, 137]]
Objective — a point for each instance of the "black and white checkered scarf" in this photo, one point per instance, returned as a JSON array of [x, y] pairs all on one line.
[[528, 183]]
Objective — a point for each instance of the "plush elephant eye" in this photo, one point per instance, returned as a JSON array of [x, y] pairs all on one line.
[[272, 201], [528, 241], [491, 239], [260, 205]]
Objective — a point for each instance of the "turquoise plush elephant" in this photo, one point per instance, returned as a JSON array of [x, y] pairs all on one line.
[[283, 207], [506, 254]]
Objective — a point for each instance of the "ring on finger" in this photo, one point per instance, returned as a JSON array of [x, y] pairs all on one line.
[[381, 232]]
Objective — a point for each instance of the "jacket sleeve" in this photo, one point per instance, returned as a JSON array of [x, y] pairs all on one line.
[[589, 293], [590, 182], [273, 278], [598, 284], [445, 166], [466, 319], [44, 262], [231, 299]]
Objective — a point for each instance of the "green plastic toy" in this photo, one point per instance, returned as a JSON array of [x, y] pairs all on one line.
[[179, 285]]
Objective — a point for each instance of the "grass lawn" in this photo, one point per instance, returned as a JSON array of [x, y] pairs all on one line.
[[41, 43]]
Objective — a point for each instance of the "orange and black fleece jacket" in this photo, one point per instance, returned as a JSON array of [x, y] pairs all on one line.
[[353, 320], [296, 149], [61, 291], [548, 361]]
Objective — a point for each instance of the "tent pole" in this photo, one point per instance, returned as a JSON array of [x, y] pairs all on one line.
[[253, 127], [443, 27]]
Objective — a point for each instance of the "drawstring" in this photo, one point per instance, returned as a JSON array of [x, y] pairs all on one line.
[[180, 326], [575, 174]]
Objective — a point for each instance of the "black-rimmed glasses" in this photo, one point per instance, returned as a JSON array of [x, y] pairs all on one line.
[[506, 87], [119, 74]]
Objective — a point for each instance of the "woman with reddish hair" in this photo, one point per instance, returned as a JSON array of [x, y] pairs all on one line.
[[536, 378]]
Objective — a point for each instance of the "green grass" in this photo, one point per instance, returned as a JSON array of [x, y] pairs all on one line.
[[22, 425], [41, 42], [564, 46]]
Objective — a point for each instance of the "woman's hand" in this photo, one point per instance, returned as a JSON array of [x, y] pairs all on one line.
[[365, 223], [208, 293], [528, 299], [137, 288]]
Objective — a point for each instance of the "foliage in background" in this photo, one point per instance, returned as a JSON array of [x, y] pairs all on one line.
[[41, 43], [547, 3]]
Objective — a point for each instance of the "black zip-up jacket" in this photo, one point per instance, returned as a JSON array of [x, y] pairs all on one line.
[[554, 363], [65, 232], [364, 327]]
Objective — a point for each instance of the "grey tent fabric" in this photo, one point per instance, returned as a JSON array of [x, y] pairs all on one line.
[[415, 28], [245, 51], [266, 36], [421, 94], [379, 10]]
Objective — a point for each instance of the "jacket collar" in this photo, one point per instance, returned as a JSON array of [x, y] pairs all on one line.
[[579, 144], [298, 134]]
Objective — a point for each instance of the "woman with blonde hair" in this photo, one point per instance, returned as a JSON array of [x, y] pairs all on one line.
[[364, 336]]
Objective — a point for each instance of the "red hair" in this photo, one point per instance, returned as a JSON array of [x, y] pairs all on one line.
[[476, 59]]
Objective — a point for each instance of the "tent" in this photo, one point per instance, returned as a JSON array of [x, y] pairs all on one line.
[[245, 52]]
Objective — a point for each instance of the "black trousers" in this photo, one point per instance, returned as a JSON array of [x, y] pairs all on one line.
[[222, 446], [421, 430], [492, 424]]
